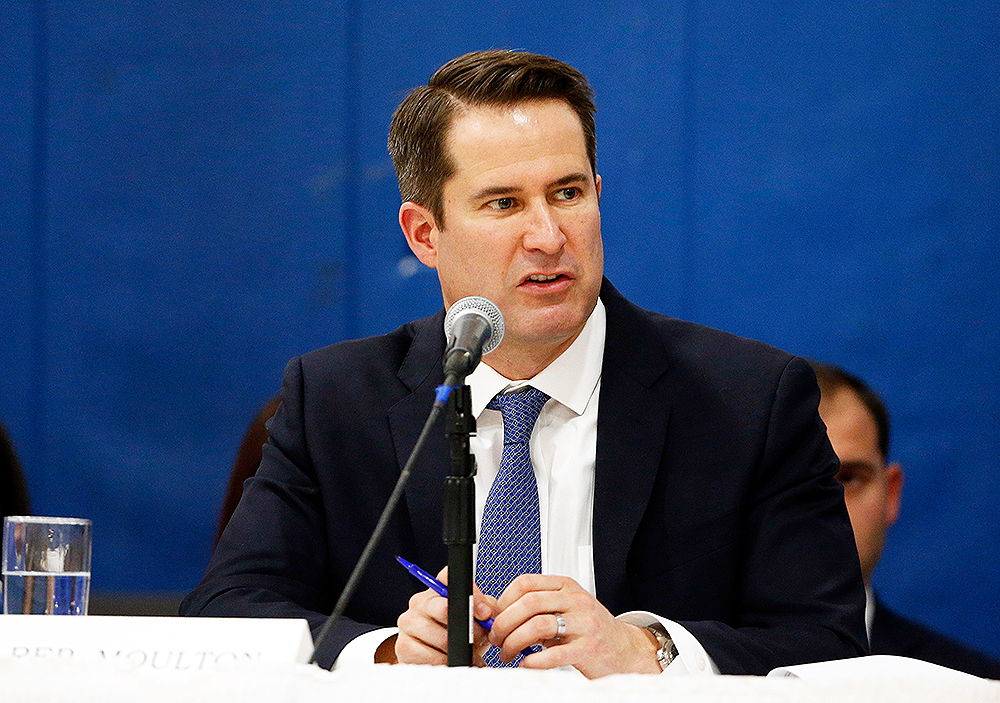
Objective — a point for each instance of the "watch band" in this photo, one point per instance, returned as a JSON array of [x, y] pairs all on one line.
[[666, 651]]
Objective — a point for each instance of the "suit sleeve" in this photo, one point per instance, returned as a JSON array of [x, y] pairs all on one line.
[[272, 559], [801, 596]]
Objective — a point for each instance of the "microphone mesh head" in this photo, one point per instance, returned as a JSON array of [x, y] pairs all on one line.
[[488, 309]]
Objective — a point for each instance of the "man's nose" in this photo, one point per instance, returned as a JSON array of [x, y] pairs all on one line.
[[542, 230]]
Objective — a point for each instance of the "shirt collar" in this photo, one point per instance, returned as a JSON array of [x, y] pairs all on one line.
[[571, 379], [869, 611]]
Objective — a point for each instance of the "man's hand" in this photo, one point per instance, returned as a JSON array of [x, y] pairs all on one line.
[[594, 641], [423, 628]]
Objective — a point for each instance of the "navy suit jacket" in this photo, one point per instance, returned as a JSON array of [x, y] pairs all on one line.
[[715, 500], [894, 634]]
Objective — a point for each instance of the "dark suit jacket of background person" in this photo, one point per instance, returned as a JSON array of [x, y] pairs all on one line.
[[715, 499], [894, 634], [13, 488]]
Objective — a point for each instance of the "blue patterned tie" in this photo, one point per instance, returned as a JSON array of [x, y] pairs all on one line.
[[510, 540]]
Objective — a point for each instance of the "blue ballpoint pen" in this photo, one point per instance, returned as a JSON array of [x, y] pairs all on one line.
[[442, 590]]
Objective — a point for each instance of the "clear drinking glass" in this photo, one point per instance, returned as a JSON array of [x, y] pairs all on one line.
[[46, 565]]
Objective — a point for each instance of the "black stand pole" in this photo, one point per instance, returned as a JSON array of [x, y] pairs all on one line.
[[459, 526]]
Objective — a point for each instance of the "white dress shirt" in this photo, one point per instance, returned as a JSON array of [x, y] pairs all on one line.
[[563, 450]]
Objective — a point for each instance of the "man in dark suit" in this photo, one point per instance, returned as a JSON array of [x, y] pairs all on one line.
[[682, 473], [858, 426]]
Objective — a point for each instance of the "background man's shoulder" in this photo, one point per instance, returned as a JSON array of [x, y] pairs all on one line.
[[894, 634]]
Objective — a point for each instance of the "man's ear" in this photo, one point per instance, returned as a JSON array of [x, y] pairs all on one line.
[[894, 491], [418, 226]]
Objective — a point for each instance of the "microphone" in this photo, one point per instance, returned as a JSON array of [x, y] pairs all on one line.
[[474, 326]]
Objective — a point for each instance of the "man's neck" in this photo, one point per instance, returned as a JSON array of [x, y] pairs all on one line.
[[570, 379], [519, 363]]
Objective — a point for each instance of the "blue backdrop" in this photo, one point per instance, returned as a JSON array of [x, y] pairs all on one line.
[[193, 192]]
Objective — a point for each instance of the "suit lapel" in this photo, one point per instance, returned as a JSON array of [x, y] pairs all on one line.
[[631, 432], [421, 372]]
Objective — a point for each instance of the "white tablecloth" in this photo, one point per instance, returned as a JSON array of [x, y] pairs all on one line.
[[79, 681]]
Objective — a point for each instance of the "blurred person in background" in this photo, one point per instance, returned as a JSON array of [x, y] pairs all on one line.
[[13, 487], [858, 426]]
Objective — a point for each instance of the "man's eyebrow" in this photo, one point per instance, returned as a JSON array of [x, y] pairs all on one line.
[[493, 191], [570, 178], [859, 465]]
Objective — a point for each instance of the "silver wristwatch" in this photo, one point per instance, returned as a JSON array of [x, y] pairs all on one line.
[[666, 652]]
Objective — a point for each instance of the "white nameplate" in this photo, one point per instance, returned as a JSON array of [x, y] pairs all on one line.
[[156, 642]]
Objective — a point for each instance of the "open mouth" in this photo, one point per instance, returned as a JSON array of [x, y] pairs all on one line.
[[543, 279]]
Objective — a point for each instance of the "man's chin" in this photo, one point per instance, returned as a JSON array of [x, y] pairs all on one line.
[[553, 334]]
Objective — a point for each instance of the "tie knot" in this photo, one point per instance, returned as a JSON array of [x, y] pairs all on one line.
[[519, 411]]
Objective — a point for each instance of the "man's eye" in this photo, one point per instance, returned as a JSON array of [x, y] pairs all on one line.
[[568, 193], [855, 477], [503, 203], [847, 478]]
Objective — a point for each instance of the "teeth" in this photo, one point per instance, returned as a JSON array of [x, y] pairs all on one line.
[[543, 279]]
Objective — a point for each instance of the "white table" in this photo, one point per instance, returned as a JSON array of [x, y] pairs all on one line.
[[80, 681]]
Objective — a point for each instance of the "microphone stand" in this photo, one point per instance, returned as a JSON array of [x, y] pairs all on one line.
[[459, 525]]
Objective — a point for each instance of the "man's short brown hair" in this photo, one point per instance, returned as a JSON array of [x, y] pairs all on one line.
[[833, 378], [493, 78]]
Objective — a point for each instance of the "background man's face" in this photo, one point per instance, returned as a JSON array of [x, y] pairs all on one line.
[[871, 489], [522, 223]]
